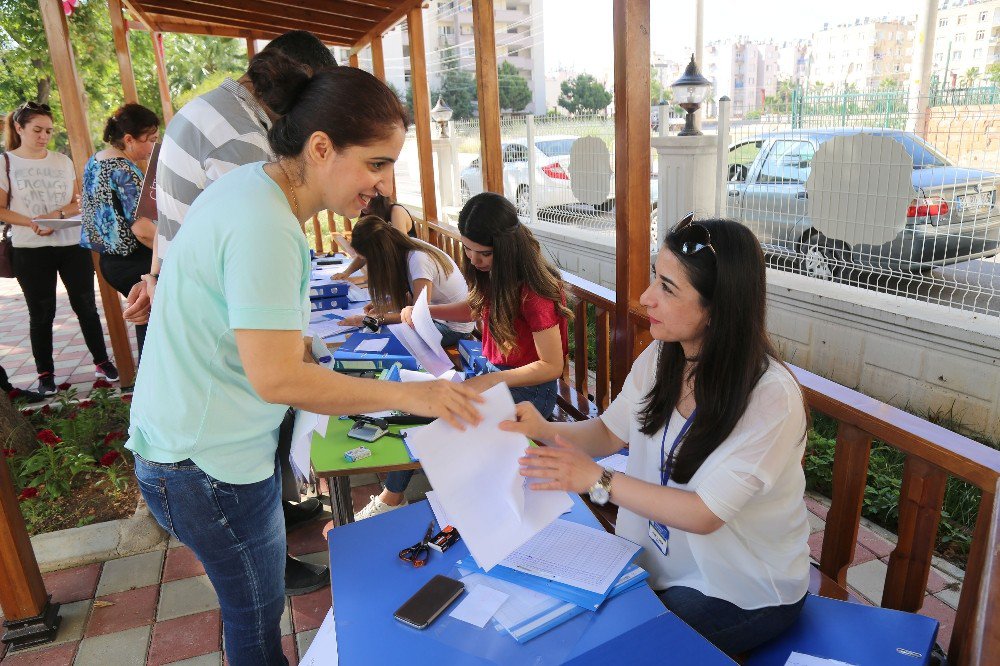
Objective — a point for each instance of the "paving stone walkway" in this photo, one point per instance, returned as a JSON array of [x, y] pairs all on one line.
[[159, 607]]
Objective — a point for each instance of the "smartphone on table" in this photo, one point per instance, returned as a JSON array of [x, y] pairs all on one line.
[[429, 601]]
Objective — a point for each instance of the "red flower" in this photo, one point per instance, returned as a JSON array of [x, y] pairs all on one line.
[[46, 410], [65, 386], [113, 437], [109, 458], [86, 404], [13, 394], [27, 412], [27, 493], [48, 437], [102, 384], [8, 453], [127, 398]]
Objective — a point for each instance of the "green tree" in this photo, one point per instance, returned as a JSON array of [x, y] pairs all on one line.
[[584, 93], [970, 77], [781, 100], [993, 73], [514, 91], [458, 88], [191, 59], [658, 92]]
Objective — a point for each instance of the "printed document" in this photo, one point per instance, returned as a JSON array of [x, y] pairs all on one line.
[[475, 475], [424, 339], [306, 423], [323, 649]]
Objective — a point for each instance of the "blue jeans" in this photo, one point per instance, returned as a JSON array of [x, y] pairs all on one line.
[[238, 534], [729, 627], [448, 336], [542, 396]]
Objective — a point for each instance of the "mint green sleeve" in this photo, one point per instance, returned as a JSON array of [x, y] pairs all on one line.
[[264, 278]]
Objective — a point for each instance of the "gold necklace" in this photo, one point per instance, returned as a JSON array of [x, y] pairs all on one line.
[[291, 188]]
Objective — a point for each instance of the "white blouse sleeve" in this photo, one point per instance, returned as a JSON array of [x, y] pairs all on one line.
[[760, 447], [623, 410]]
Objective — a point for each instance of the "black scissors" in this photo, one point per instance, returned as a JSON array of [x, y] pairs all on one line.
[[418, 553]]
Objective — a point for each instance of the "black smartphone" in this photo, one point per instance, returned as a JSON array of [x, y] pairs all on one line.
[[430, 601]]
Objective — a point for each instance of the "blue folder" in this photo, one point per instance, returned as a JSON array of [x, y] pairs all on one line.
[[333, 303], [348, 358], [852, 633], [328, 290]]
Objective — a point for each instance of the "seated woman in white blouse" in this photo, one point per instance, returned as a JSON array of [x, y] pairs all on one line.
[[715, 425]]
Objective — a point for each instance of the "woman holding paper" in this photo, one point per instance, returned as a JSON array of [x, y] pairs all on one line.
[[38, 184], [715, 426], [112, 181], [400, 268], [225, 345]]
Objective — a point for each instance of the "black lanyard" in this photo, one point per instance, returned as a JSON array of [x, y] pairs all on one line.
[[667, 466]]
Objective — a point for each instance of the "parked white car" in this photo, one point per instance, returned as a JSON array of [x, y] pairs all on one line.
[[553, 184]]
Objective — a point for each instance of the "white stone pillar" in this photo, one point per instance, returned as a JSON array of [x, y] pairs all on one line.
[[444, 159], [920, 74], [686, 179]]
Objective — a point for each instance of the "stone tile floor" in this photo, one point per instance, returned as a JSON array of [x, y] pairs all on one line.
[[159, 608]]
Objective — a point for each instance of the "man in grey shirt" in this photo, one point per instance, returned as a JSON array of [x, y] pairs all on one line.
[[210, 136]]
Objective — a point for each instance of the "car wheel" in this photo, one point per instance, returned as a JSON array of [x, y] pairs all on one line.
[[823, 258], [464, 192], [523, 201], [605, 206]]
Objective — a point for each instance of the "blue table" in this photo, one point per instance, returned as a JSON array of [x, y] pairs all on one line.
[[370, 582]]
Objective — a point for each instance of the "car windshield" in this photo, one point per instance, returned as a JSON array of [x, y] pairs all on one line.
[[924, 156], [556, 147]]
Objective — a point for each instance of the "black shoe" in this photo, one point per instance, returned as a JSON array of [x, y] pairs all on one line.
[[46, 383], [29, 397], [303, 578], [106, 370], [303, 512]]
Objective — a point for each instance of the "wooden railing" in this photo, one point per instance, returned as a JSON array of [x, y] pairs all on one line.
[[933, 455]]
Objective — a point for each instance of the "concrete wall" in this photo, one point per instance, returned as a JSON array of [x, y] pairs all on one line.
[[920, 357], [967, 135]]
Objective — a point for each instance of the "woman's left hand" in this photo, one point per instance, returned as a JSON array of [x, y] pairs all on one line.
[[353, 320], [562, 466]]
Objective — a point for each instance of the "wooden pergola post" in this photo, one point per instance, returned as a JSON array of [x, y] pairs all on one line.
[[251, 48], [75, 115], [490, 159], [631, 35], [120, 33], [352, 60], [161, 77], [378, 58], [318, 232], [422, 111]]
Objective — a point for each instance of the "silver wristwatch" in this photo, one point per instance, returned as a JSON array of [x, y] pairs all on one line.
[[600, 492]]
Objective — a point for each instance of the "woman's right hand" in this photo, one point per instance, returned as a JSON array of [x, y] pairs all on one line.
[[443, 399], [339, 277], [368, 308], [528, 422], [406, 316], [41, 231]]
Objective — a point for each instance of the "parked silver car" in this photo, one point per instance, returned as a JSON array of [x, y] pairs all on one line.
[[954, 217]]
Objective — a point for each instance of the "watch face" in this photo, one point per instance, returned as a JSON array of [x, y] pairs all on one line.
[[599, 495]]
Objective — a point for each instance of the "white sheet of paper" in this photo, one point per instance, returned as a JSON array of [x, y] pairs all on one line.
[[356, 294], [372, 345], [617, 462], [323, 649], [329, 328], [475, 476], [424, 340], [452, 375], [479, 605], [566, 552], [799, 659], [300, 456], [521, 604], [439, 513], [64, 223]]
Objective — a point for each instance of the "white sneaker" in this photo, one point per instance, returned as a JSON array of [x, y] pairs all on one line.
[[376, 506]]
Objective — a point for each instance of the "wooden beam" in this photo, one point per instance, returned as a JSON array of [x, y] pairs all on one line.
[[631, 35], [378, 58], [264, 14], [352, 60], [251, 48], [161, 77], [401, 9], [422, 111], [120, 34], [364, 11], [140, 15], [211, 31], [75, 117], [490, 161]]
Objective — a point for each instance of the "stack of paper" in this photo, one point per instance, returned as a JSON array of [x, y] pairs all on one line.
[[306, 423], [424, 339], [475, 475]]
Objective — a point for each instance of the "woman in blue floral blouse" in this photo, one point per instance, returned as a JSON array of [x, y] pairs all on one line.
[[112, 181]]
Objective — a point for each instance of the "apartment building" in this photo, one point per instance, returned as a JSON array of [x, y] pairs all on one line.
[[967, 36], [863, 54], [744, 70], [450, 44]]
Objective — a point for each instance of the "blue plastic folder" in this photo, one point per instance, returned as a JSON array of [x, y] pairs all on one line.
[[348, 358], [328, 290], [323, 304]]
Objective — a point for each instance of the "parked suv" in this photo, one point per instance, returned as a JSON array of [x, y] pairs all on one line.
[[954, 216]]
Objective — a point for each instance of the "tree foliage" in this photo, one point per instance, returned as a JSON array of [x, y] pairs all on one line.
[[583, 93], [514, 91], [993, 73], [458, 89]]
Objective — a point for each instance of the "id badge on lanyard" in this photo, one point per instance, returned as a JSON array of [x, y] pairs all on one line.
[[660, 534]]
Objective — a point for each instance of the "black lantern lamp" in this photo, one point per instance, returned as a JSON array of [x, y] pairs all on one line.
[[441, 114], [689, 93]]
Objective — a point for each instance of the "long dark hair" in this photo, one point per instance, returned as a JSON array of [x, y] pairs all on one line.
[[491, 220], [22, 115], [382, 205], [734, 354], [316, 103], [132, 119], [386, 250]]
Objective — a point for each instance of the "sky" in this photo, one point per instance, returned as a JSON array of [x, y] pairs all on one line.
[[578, 33]]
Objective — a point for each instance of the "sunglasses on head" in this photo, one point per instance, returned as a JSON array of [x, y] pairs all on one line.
[[30, 106], [691, 237]]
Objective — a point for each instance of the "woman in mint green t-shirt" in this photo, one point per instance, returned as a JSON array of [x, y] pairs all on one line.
[[224, 349]]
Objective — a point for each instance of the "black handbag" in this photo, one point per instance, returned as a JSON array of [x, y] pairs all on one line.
[[6, 247]]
